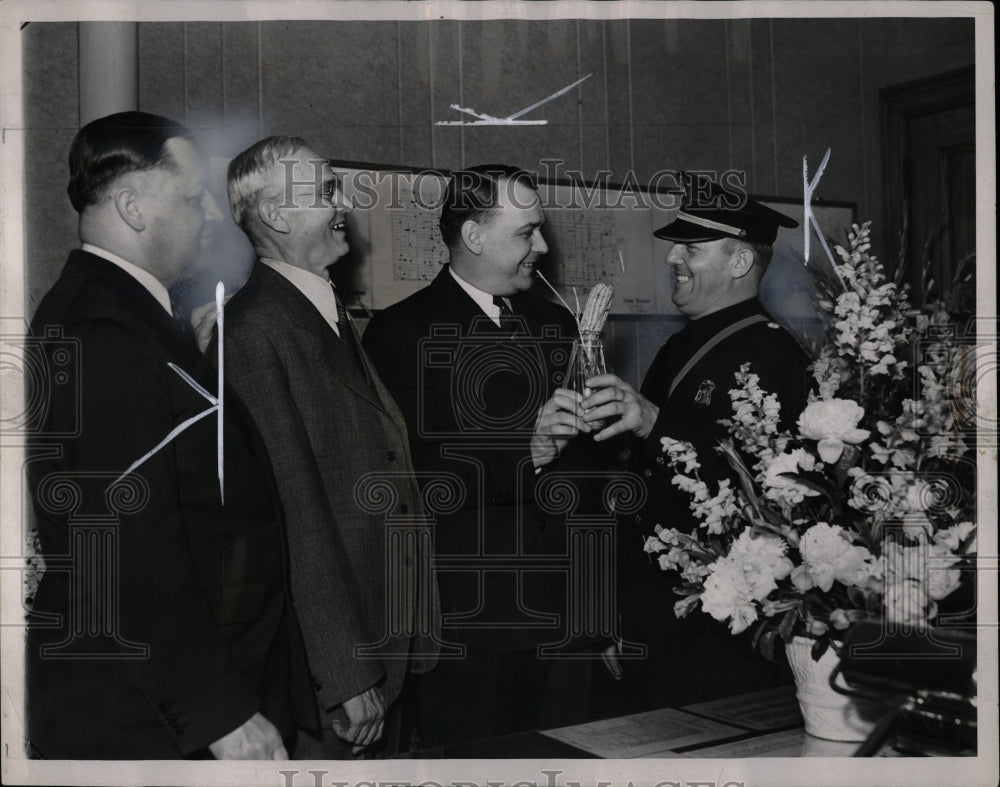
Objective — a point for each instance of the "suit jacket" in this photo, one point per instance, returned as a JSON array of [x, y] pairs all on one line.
[[326, 426], [193, 630], [470, 392]]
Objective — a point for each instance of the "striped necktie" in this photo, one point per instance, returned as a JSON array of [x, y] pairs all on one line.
[[347, 332]]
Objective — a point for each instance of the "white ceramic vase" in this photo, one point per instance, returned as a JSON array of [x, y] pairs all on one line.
[[827, 714]]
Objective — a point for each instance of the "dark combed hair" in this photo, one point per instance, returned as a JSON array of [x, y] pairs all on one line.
[[474, 193], [112, 146]]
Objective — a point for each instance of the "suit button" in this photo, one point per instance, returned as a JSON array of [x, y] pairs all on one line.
[[638, 519], [404, 508], [391, 456], [660, 461], [647, 473]]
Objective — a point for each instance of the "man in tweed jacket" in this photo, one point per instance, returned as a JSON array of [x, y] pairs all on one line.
[[334, 435]]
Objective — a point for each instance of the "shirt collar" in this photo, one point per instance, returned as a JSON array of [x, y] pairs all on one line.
[[316, 288], [141, 275], [483, 299]]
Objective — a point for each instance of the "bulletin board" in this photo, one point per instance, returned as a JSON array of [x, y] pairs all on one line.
[[594, 233]]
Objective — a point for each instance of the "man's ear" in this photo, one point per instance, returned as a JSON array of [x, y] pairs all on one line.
[[742, 262], [471, 237], [127, 204], [268, 212]]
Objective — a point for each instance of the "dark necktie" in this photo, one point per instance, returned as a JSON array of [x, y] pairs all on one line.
[[507, 321], [346, 332]]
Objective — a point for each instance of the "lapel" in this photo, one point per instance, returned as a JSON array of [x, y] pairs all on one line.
[[135, 302], [315, 334], [456, 305]]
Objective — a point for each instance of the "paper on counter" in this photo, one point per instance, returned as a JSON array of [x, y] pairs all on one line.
[[764, 710], [776, 744], [651, 734]]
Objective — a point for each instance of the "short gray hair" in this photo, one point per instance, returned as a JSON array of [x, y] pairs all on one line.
[[761, 251], [248, 173]]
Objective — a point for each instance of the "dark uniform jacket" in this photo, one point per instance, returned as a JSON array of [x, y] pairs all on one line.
[[470, 392], [163, 620], [696, 657]]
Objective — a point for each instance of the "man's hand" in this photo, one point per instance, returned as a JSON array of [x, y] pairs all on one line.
[[203, 321], [610, 658], [559, 420], [366, 717], [255, 739], [611, 397]]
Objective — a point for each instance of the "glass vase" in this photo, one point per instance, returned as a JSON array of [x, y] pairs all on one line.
[[586, 360]]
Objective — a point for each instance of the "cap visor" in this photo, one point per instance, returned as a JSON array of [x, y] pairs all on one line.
[[681, 230]]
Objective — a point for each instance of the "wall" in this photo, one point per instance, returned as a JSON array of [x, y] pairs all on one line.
[[695, 94]]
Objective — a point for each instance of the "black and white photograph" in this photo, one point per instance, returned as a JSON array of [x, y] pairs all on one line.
[[498, 393]]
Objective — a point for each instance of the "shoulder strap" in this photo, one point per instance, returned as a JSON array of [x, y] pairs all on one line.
[[725, 333]]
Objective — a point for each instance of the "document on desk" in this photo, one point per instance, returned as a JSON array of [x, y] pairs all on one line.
[[776, 744], [651, 734], [761, 711]]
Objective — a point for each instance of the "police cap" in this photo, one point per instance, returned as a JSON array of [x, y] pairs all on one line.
[[708, 212]]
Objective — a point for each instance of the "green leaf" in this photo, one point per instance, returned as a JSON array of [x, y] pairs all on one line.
[[765, 642], [788, 624], [817, 487], [819, 648]]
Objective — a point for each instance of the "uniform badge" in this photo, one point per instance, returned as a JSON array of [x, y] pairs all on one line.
[[704, 396]]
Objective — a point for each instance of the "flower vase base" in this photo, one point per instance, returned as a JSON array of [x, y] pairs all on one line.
[[826, 713]]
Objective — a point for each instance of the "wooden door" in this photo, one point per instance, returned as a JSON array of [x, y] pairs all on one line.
[[929, 133]]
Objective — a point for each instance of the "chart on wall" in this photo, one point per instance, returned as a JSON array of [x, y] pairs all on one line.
[[594, 233]]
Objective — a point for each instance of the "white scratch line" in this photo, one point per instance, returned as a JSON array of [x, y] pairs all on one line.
[[809, 218], [220, 304], [173, 433], [192, 382], [511, 120], [216, 402]]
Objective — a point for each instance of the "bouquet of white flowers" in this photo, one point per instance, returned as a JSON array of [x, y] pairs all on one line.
[[867, 510]]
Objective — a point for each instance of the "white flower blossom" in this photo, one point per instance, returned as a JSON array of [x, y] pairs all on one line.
[[728, 595], [784, 489], [833, 423], [828, 556]]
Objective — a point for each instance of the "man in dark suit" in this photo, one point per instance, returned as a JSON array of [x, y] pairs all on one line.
[[722, 243], [163, 626], [332, 430], [474, 363]]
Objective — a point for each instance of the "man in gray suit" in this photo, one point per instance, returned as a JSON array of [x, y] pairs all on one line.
[[330, 427]]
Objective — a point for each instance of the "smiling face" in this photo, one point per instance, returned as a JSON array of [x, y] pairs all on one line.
[[709, 275], [313, 210], [180, 215], [508, 242]]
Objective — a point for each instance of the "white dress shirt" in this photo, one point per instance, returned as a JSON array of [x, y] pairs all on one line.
[[483, 299], [144, 277], [316, 288]]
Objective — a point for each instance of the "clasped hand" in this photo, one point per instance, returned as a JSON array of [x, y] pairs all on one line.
[[614, 401], [366, 719], [559, 420]]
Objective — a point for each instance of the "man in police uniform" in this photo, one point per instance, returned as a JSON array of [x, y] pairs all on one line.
[[722, 245]]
